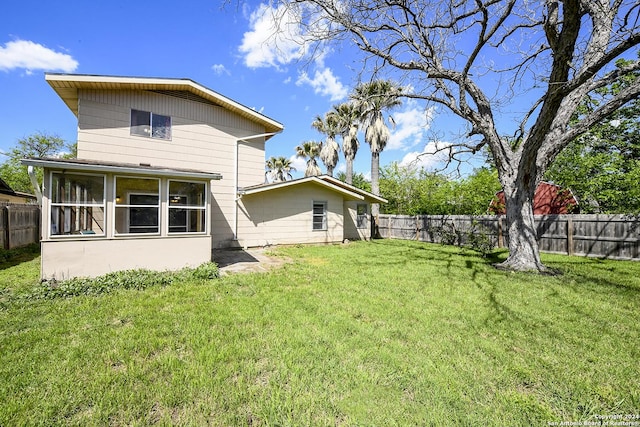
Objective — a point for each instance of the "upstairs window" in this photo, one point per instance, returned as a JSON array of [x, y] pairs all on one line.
[[319, 216], [151, 125]]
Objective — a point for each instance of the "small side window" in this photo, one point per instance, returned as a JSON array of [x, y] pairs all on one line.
[[361, 215], [319, 216]]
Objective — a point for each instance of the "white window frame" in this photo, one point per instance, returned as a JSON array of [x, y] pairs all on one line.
[[149, 133], [204, 208], [68, 206], [323, 215], [127, 206]]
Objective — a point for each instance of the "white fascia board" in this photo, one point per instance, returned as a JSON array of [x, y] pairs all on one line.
[[311, 179], [71, 166]]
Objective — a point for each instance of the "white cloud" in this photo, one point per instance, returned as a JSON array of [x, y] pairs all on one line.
[[220, 69], [429, 157], [274, 38], [33, 56], [324, 83], [299, 163], [412, 124]]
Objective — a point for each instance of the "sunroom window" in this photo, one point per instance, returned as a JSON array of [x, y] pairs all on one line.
[[77, 204], [151, 125], [137, 206], [187, 207]]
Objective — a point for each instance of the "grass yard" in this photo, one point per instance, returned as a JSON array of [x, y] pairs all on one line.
[[371, 333]]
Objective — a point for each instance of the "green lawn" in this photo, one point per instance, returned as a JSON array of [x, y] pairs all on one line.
[[371, 333]]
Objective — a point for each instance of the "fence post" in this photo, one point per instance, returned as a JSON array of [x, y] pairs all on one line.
[[500, 238], [9, 228], [5, 225], [570, 249], [417, 227]]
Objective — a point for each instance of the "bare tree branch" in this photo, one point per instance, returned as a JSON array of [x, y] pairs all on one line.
[[485, 60]]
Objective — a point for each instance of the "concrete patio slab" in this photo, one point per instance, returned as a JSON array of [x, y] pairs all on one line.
[[255, 260]]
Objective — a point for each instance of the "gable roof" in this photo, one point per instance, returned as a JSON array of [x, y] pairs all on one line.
[[348, 191], [67, 86]]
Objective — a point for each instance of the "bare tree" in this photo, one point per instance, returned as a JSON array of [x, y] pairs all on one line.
[[491, 61]]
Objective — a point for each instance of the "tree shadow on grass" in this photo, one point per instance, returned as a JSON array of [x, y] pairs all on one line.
[[11, 258]]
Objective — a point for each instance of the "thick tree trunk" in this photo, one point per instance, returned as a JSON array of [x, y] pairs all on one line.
[[349, 172], [524, 254]]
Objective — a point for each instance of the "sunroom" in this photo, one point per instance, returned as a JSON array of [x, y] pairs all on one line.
[[103, 217]]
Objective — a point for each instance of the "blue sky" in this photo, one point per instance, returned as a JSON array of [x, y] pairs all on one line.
[[225, 49]]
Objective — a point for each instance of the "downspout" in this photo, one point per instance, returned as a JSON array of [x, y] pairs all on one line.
[[34, 183], [236, 176]]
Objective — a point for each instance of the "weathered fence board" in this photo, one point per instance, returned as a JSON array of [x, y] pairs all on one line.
[[609, 236], [19, 225]]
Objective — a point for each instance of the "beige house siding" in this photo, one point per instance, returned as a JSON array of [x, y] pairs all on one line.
[[283, 216], [351, 230], [63, 259], [203, 137]]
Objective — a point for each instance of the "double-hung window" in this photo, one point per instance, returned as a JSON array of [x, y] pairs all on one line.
[[151, 125], [319, 216], [137, 205], [187, 207], [77, 204]]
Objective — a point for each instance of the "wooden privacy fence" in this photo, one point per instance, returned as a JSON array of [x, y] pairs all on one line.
[[608, 236], [19, 225]]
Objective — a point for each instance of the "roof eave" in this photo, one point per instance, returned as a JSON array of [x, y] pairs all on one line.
[[351, 194], [131, 169], [67, 86]]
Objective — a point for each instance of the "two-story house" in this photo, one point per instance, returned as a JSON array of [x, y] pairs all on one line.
[[167, 171]]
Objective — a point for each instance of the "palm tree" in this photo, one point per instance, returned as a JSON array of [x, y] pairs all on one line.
[[310, 150], [279, 168], [329, 148], [346, 116], [371, 99]]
